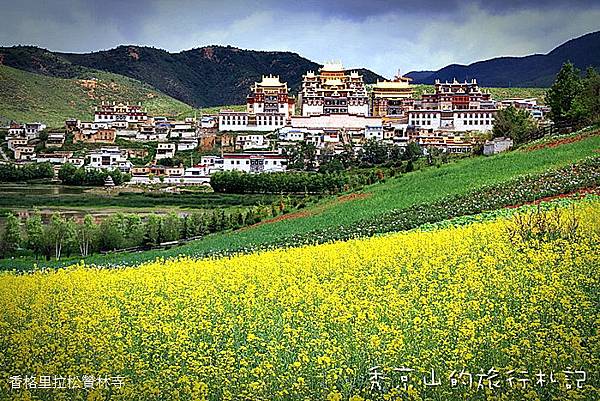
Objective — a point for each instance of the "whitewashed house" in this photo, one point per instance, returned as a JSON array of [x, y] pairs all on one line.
[[187, 144], [497, 145], [109, 158], [25, 153], [165, 150], [254, 162], [55, 140]]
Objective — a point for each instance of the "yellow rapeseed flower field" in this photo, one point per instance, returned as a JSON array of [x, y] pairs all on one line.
[[491, 310]]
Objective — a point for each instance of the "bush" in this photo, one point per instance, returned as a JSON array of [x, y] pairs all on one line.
[[298, 182], [71, 175], [27, 172]]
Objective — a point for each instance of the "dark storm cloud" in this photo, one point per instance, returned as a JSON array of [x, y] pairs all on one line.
[[383, 35], [361, 9]]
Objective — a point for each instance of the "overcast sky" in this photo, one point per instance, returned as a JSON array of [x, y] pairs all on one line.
[[382, 35]]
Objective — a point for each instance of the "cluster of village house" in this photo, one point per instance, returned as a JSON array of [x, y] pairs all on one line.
[[335, 109]]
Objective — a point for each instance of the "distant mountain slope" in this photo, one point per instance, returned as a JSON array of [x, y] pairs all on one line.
[[538, 70], [27, 97], [207, 76]]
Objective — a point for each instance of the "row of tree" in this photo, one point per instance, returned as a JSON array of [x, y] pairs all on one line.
[[27, 172], [69, 174], [303, 156], [237, 182], [61, 237], [574, 100]]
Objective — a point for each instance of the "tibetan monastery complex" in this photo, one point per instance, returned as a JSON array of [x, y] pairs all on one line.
[[391, 99], [268, 107], [334, 98], [334, 108], [333, 90]]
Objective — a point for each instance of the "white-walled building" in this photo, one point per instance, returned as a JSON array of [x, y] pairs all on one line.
[[454, 106], [55, 140], [16, 142], [255, 162], [267, 108], [16, 130], [209, 122], [24, 153], [374, 132], [497, 145], [32, 130], [111, 112], [187, 144], [54, 158], [289, 134], [109, 158], [93, 126], [333, 90], [454, 120], [28, 130], [242, 121], [337, 121], [270, 96], [252, 141], [165, 150]]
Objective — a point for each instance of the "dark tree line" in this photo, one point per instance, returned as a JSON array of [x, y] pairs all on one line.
[[61, 237], [26, 172], [303, 156], [72, 175], [299, 182], [237, 182]]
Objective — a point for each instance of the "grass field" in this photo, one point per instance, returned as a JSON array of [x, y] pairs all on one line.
[[28, 97], [428, 185], [499, 299]]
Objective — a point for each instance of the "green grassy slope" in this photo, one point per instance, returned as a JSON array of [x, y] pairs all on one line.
[[26, 96], [418, 187]]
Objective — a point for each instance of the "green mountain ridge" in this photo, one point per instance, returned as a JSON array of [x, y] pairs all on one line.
[[201, 77], [537, 70], [26, 96]]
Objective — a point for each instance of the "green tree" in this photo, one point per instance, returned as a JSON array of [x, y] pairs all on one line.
[[134, 230], [152, 236], [111, 233], [562, 93], [412, 152], [57, 233], [11, 238], [67, 173], [434, 156], [375, 152], [517, 124], [34, 229], [195, 225], [586, 105], [171, 227], [302, 156], [85, 234]]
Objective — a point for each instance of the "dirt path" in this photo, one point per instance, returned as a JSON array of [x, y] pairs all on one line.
[[580, 194], [562, 141], [312, 211]]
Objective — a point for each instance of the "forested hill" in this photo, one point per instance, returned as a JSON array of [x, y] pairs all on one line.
[[206, 76]]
